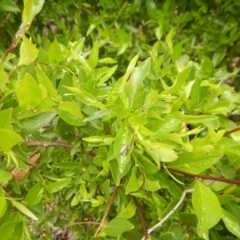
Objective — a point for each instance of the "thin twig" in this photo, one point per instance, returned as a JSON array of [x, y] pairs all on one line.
[[15, 40], [107, 210], [141, 216], [49, 144], [159, 224], [218, 179], [232, 131]]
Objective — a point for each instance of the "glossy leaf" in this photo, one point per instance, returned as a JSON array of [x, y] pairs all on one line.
[[231, 223], [194, 163], [122, 146], [206, 206]]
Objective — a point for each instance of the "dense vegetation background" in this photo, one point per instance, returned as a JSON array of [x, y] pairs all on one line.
[[119, 120]]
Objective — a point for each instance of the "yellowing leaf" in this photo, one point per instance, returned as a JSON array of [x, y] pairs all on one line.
[[28, 52]]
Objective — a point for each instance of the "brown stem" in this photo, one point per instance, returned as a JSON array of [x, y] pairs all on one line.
[[232, 131], [107, 210], [219, 179], [49, 144], [141, 216]]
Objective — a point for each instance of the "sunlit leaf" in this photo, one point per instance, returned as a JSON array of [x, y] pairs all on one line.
[[28, 52], [206, 206], [24, 210], [29, 93]]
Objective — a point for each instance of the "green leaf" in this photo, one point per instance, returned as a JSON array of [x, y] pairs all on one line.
[[36, 122], [96, 115], [3, 202], [151, 8], [28, 52], [133, 184], [194, 119], [207, 67], [181, 78], [5, 118], [129, 211], [54, 52], [169, 40], [8, 139], [167, 236], [5, 176], [57, 186], [206, 206], [188, 218], [47, 84], [29, 93], [146, 164], [9, 6], [93, 57], [31, 9], [34, 196], [122, 146], [133, 86], [117, 226], [24, 210], [109, 73], [194, 163], [86, 97], [231, 223], [151, 183], [70, 112]]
